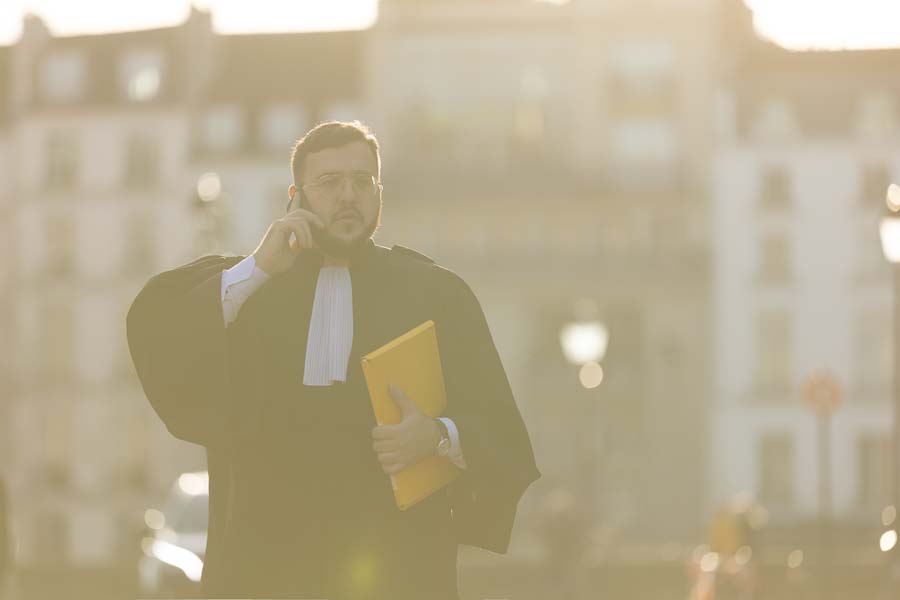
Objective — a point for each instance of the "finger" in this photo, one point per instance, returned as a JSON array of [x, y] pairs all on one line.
[[385, 445], [405, 405], [293, 222], [393, 469], [289, 232], [385, 432], [316, 221], [301, 232], [306, 215], [299, 213], [283, 226], [307, 235], [389, 458]]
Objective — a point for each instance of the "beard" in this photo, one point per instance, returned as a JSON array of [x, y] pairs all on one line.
[[339, 248]]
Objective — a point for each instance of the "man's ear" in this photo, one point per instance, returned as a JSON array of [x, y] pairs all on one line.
[[292, 189]]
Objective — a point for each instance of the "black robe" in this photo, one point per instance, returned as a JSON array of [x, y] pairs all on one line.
[[299, 506]]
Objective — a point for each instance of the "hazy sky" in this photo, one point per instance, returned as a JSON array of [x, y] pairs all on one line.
[[65, 17], [793, 23]]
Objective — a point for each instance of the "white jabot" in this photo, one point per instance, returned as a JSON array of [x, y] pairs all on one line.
[[330, 328]]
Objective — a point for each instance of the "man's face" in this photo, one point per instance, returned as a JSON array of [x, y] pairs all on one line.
[[351, 213]]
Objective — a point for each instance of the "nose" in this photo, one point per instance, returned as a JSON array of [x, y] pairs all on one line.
[[348, 194]]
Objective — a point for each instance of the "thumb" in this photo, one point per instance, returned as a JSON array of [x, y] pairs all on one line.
[[405, 405], [316, 220]]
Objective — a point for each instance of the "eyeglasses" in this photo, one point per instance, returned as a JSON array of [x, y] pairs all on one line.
[[330, 186]]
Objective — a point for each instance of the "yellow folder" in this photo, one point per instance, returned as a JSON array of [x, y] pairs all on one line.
[[411, 362]]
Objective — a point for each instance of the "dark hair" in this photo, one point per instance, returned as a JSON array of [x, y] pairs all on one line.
[[332, 134]]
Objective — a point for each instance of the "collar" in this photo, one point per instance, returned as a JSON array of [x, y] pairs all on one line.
[[314, 259]]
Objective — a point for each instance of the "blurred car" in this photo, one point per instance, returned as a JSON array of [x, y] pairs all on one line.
[[175, 541]]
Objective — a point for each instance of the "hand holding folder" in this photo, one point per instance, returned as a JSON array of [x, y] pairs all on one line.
[[411, 362]]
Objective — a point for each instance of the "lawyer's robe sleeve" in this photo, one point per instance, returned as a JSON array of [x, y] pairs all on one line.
[[492, 435], [177, 338]]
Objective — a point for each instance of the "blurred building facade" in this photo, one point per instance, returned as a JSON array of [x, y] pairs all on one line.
[[6, 268], [806, 145], [97, 137], [554, 155], [124, 155]]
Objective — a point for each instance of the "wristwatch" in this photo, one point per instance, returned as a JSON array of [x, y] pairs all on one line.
[[443, 446]]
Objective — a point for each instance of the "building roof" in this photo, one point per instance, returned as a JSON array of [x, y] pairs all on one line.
[[313, 67], [102, 53], [823, 87]]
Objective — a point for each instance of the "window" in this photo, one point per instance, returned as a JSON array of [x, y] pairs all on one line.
[[343, 111], [135, 433], [873, 186], [222, 128], [874, 456], [123, 364], [282, 125], [57, 341], [425, 132], [870, 265], [776, 466], [62, 157], [139, 251], [642, 79], [141, 161], [775, 189], [140, 75], [529, 124], [529, 115], [52, 537], [644, 140], [63, 77], [775, 120], [60, 245], [774, 260], [726, 114], [873, 356], [773, 352], [57, 439], [877, 116]]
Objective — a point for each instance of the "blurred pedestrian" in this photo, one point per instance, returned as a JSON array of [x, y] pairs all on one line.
[[726, 569], [564, 531], [258, 359]]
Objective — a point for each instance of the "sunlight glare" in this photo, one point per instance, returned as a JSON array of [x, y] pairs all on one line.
[[827, 24]]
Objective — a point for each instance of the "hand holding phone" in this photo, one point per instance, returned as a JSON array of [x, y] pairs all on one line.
[[285, 239]]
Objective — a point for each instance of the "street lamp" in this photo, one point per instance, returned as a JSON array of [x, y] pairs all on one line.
[[209, 213], [584, 341], [889, 229], [584, 344]]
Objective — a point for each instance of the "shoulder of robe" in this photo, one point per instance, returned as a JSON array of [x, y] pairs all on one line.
[[195, 271], [397, 249], [214, 259], [412, 263], [445, 279]]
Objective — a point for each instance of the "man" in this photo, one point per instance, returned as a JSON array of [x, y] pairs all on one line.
[[258, 359]]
